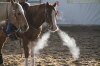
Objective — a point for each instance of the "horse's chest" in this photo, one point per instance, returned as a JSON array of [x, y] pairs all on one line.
[[32, 34]]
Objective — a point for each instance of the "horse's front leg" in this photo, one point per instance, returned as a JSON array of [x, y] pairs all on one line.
[[32, 54], [26, 51]]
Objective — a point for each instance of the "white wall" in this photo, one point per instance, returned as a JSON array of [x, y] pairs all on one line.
[[32, 2], [75, 13]]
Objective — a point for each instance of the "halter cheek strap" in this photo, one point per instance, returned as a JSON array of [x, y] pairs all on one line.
[[45, 14], [17, 21]]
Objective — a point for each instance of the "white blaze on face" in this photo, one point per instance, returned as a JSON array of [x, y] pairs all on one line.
[[54, 21]]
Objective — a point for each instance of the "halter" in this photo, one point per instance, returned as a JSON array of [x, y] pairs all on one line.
[[17, 21], [15, 17], [45, 18], [18, 29], [45, 14]]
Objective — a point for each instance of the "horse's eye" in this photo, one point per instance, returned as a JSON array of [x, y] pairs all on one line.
[[19, 13]]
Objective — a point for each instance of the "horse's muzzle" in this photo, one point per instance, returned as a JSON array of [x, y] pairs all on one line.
[[24, 28], [54, 29]]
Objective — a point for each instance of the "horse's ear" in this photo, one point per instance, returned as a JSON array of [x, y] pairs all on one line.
[[55, 4], [12, 2], [47, 4], [17, 1], [14, 5]]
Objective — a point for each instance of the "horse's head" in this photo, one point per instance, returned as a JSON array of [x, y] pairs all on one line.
[[50, 16], [18, 12]]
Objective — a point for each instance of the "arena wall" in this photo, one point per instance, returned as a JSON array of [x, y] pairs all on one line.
[[77, 13]]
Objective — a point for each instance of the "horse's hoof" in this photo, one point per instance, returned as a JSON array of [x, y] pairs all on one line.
[[2, 64]]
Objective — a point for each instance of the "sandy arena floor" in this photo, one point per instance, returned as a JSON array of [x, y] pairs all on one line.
[[55, 54]]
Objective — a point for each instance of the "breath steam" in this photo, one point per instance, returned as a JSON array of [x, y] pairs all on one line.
[[70, 42], [42, 42], [67, 41]]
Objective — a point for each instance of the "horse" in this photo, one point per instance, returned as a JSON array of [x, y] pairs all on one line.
[[36, 15], [13, 12]]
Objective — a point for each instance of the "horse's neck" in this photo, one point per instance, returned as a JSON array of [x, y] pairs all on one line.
[[37, 17]]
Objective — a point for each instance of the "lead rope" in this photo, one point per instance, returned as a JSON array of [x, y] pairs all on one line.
[[19, 34], [20, 48]]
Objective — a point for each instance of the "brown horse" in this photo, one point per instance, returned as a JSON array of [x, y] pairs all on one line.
[[14, 13], [36, 15]]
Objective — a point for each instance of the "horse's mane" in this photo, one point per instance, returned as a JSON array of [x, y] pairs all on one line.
[[25, 5]]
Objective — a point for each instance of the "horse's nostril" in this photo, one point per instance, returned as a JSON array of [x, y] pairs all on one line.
[[24, 28], [54, 29]]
